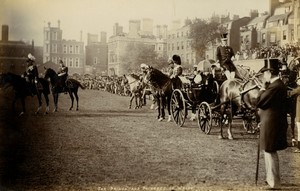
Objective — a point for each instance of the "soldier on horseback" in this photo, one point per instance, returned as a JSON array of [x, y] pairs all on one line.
[[31, 74], [63, 74]]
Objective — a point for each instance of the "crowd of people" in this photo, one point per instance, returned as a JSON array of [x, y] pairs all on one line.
[[268, 52]]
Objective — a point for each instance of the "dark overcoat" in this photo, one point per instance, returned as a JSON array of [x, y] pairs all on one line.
[[273, 117]]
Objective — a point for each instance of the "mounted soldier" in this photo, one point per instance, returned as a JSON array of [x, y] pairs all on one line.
[[63, 74], [31, 74]]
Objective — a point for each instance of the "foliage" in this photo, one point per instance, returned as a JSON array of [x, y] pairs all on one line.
[[138, 53], [204, 33]]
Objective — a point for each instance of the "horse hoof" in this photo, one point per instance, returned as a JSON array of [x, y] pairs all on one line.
[[160, 119], [294, 142], [70, 109], [220, 137], [77, 109], [230, 137]]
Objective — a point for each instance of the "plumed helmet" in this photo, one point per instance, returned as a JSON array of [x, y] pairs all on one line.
[[30, 58], [176, 59]]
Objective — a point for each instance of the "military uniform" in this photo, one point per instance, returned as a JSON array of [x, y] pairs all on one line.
[[63, 75], [224, 55]]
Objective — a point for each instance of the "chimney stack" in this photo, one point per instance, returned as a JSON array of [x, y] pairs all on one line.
[[5, 33]]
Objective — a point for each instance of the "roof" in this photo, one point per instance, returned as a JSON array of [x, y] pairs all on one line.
[[278, 17], [258, 20]]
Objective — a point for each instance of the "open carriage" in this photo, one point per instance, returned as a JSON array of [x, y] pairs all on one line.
[[193, 96]]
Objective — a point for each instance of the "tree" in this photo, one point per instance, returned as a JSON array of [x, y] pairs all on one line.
[[137, 53], [203, 33]]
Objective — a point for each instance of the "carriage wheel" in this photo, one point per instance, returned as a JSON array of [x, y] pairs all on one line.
[[249, 122], [204, 117], [178, 108], [215, 90]]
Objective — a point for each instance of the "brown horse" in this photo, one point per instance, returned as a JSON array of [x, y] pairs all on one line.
[[238, 97]]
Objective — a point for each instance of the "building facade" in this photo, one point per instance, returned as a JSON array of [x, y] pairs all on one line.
[[56, 48], [96, 54], [178, 42], [13, 54]]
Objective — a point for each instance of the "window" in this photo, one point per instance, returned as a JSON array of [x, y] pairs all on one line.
[[71, 49], [177, 45], [284, 35], [54, 48], [47, 48], [65, 61], [77, 62], [71, 62], [272, 37], [65, 49], [47, 35], [76, 49], [182, 46], [54, 35]]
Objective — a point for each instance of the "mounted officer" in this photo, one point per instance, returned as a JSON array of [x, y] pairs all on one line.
[[224, 55], [63, 75], [31, 74]]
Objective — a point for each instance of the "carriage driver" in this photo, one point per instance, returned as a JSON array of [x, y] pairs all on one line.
[[224, 55], [63, 74], [177, 71]]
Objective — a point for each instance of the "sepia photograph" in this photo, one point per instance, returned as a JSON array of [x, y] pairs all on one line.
[[149, 95]]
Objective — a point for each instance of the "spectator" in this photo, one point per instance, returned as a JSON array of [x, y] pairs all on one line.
[[273, 120]]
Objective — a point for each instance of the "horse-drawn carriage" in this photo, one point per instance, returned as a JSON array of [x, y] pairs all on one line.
[[191, 95]]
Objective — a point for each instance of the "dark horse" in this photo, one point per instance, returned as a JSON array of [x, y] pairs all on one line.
[[163, 90], [72, 87], [22, 89]]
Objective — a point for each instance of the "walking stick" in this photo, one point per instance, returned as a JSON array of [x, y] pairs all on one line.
[[258, 152]]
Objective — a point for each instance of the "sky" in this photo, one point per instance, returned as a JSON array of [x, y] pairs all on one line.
[[27, 18]]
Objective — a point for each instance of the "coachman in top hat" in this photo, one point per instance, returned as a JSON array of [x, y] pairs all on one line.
[[224, 55]]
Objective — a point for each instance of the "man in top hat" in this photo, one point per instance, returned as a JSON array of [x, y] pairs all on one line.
[[273, 120], [224, 55], [144, 68], [63, 74]]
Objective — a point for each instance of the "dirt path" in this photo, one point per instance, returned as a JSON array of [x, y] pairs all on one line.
[[105, 146]]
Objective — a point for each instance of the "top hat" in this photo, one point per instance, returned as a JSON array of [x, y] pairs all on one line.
[[271, 64], [224, 36], [60, 61], [176, 59]]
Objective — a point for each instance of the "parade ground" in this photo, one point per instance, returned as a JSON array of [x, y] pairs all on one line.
[[106, 146]]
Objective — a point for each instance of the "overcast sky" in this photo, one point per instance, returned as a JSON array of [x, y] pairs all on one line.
[[26, 18]]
